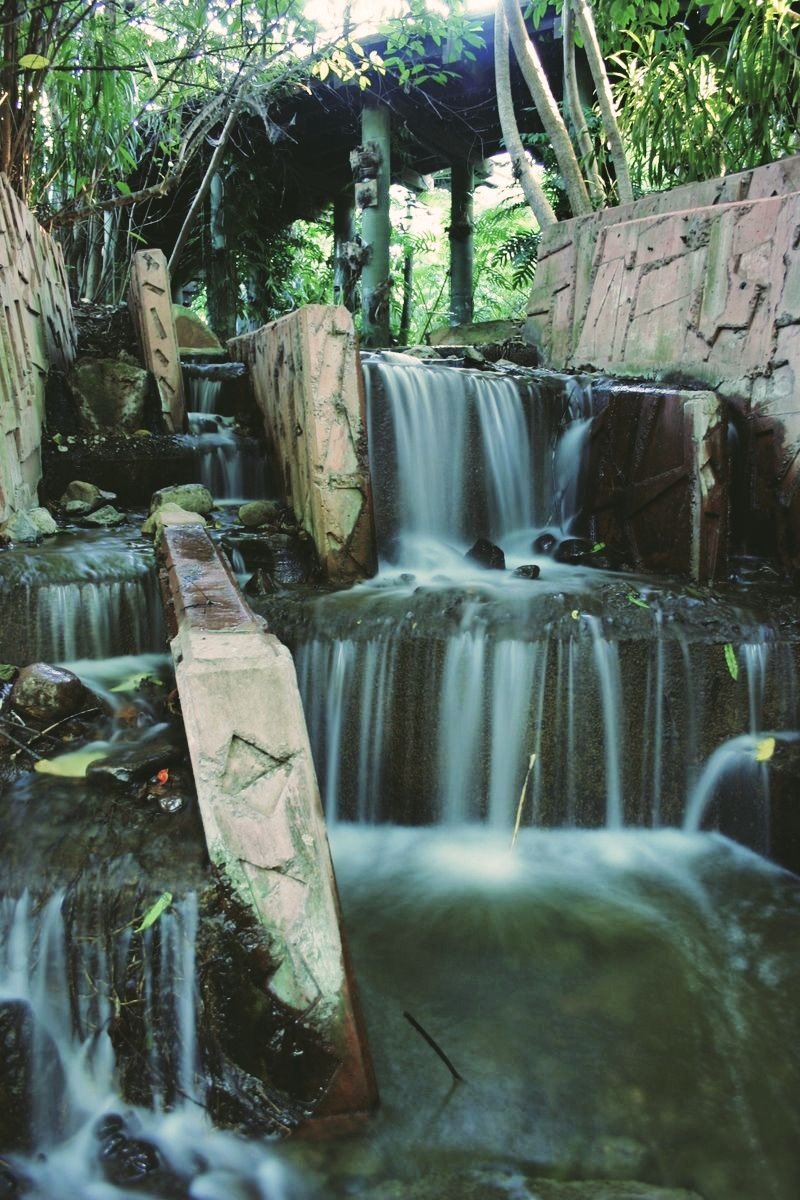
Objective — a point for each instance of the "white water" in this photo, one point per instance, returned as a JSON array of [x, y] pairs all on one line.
[[42, 963], [468, 454], [230, 465]]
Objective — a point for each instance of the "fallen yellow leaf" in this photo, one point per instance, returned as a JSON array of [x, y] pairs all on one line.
[[765, 749], [72, 765]]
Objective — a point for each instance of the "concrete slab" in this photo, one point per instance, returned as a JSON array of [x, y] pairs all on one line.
[[259, 799]]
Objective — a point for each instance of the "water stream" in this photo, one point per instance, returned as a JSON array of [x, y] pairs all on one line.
[[618, 993], [230, 464]]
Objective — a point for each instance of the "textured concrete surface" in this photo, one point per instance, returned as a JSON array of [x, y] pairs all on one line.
[[150, 302], [307, 383], [259, 799], [702, 283], [36, 333], [658, 476]]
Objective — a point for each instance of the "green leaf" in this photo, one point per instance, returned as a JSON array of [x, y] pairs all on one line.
[[154, 912], [7, 672], [637, 600], [34, 62], [123, 187], [597, 547], [731, 661], [132, 682]]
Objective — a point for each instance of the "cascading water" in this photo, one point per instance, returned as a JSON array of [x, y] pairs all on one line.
[[87, 595], [230, 464]]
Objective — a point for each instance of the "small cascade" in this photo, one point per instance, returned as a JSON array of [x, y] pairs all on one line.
[[429, 692], [92, 596], [230, 464], [460, 454]]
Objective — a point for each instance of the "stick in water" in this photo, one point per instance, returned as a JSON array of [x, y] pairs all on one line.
[[437, 1049], [522, 800]]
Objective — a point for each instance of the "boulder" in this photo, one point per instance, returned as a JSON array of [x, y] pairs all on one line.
[[192, 497], [20, 528], [104, 518], [478, 334], [486, 554], [46, 693], [43, 520], [80, 497], [169, 514], [110, 394], [193, 333], [260, 512]]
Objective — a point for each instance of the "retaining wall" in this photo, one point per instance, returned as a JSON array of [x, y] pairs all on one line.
[[701, 283], [307, 382], [36, 333]]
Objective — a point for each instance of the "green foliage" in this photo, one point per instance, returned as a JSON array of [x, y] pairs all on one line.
[[717, 94]]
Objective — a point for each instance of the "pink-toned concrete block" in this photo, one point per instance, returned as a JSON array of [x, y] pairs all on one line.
[[307, 381], [259, 800], [150, 302]]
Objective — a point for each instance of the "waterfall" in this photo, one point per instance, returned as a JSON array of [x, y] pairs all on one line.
[[230, 464], [460, 454], [430, 691]]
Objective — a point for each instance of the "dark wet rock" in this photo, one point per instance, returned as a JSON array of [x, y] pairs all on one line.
[[486, 554], [125, 1161], [12, 1184], [260, 512], [527, 571], [46, 693], [500, 1183], [20, 1073], [545, 544], [16, 1037], [104, 518], [573, 550], [193, 497], [109, 394], [131, 764]]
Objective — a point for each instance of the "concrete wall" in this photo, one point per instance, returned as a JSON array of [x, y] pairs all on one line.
[[36, 333], [701, 283], [307, 382]]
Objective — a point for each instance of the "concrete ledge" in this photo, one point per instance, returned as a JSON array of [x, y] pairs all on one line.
[[307, 382], [259, 799]]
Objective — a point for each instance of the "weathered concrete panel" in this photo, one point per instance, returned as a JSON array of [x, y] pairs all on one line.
[[150, 303], [259, 798], [36, 332], [702, 283], [657, 479], [307, 382]]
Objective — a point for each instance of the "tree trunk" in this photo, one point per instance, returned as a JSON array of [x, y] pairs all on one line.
[[574, 111], [547, 109], [534, 193], [583, 15]]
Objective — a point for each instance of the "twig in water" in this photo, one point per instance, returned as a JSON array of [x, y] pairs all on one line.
[[437, 1049], [19, 745], [515, 834]]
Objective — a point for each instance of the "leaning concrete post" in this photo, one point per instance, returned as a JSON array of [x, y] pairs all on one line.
[[376, 229], [462, 186], [150, 301], [259, 800]]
